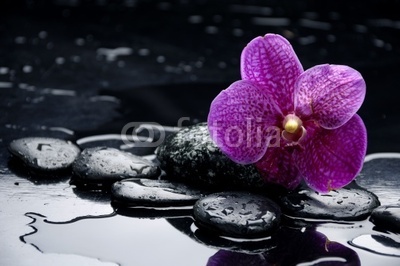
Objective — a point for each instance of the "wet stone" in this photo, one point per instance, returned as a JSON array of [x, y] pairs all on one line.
[[44, 154], [349, 203], [237, 214], [387, 218], [381, 176], [154, 193], [191, 156], [103, 165]]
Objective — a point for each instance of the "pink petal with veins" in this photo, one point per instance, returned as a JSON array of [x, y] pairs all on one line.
[[329, 94], [240, 120], [278, 167], [331, 159], [271, 62]]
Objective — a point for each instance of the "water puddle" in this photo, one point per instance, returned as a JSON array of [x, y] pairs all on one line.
[[379, 244], [115, 238]]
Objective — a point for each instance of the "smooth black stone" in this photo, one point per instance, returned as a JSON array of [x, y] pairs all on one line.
[[44, 154], [381, 176], [239, 214], [103, 165], [147, 192], [387, 218], [349, 203], [191, 156]]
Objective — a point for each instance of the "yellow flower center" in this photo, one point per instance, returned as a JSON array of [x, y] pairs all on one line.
[[292, 123]]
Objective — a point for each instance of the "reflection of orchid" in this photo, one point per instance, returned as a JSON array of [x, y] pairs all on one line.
[[294, 247], [292, 123]]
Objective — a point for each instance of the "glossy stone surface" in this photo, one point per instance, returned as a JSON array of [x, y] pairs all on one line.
[[147, 192], [237, 214], [381, 175], [108, 165], [349, 203], [387, 218], [191, 156], [46, 154]]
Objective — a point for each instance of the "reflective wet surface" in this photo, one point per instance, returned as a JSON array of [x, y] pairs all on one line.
[[81, 70]]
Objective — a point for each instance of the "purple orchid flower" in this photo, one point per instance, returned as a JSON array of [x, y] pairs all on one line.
[[292, 124]]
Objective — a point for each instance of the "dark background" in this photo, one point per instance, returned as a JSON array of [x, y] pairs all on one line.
[[180, 55]]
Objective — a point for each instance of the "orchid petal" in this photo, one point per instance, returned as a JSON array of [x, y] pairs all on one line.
[[271, 62], [278, 167], [330, 94], [331, 159], [240, 119]]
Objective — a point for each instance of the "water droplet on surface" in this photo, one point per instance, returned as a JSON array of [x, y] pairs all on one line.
[[160, 59], [42, 35], [195, 19], [4, 70], [144, 52], [80, 41], [237, 32], [60, 60], [112, 54], [227, 211], [211, 30], [27, 69], [20, 40]]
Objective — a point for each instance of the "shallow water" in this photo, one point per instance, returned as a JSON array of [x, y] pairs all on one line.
[[133, 238]]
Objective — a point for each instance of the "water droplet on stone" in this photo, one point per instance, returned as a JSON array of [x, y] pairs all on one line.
[[227, 211]]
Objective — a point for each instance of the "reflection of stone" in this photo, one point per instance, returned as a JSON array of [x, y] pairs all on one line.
[[349, 203], [46, 154], [212, 239], [102, 165], [191, 156]]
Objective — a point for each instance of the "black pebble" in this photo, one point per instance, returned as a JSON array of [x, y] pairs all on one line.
[[192, 157], [44, 154], [239, 214], [387, 218], [103, 165], [381, 176], [154, 193], [349, 203]]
